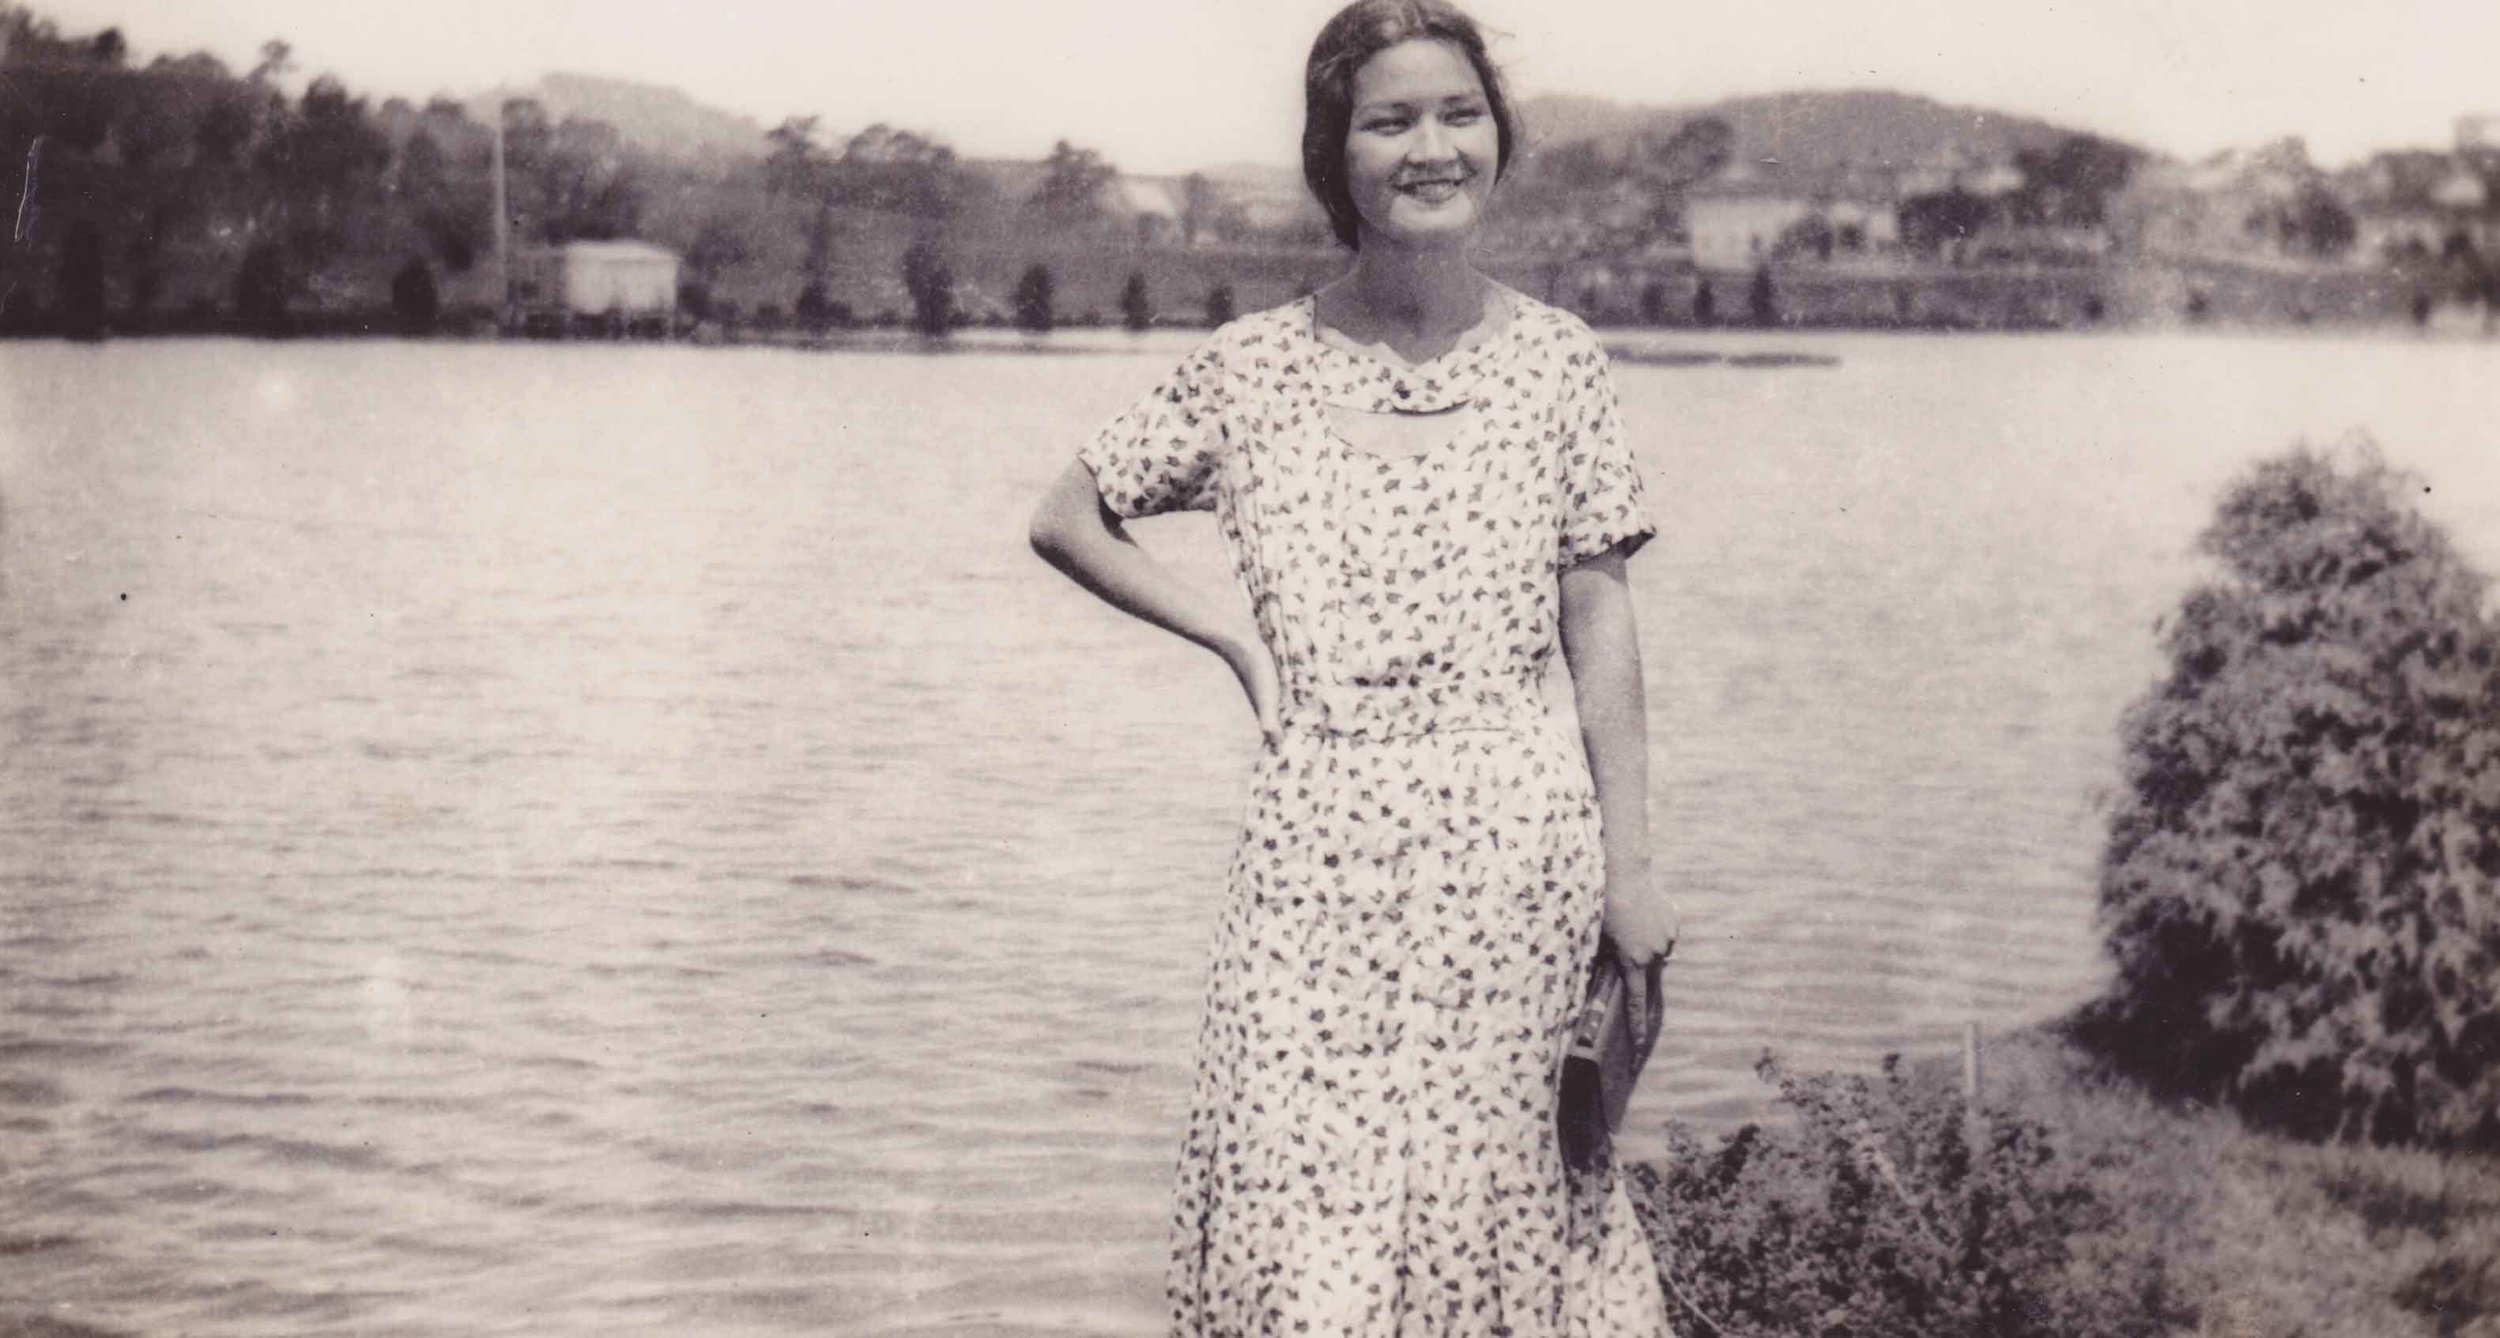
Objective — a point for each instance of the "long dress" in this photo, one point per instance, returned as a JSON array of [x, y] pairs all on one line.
[[1416, 893]]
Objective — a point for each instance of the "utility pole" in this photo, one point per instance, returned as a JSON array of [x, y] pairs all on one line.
[[503, 227]]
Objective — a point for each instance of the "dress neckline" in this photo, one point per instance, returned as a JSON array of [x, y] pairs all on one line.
[[1360, 379], [1501, 298]]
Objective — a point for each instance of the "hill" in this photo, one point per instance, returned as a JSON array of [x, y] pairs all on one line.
[[654, 118], [1807, 130]]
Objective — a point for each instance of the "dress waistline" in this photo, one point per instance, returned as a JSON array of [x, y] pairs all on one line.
[[1408, 710]]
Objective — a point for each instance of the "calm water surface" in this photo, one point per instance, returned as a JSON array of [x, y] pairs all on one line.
[[571, 840]]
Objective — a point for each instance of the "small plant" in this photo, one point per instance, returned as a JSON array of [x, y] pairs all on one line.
[[1886, 1210], [2302, 883], [1137, 307]]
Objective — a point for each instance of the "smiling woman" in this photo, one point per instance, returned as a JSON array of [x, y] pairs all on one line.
[[1426, 493]]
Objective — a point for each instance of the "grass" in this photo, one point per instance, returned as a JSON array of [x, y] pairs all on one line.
[[2260, 1235]]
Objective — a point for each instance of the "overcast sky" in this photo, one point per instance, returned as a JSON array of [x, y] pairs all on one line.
[[1166, 85]]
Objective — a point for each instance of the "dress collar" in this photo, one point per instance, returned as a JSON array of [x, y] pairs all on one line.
[[1362, 380]]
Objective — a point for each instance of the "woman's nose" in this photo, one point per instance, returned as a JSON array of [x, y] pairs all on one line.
[[1431, 143]]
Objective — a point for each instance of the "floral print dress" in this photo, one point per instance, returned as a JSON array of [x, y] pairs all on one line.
[[1416, 893]]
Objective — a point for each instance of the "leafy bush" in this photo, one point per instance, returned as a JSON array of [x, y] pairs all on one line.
[[2302, 884], [1875, 1215]]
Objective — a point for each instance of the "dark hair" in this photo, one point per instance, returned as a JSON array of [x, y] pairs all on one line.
[[1359, 32]]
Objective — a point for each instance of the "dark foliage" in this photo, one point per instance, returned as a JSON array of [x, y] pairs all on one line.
[[929, 279], [2302, 884], [1137, 306], [1220, 304], [1877, 1214], [260, 289], [1034, 314], [82, 282], [414, 297]]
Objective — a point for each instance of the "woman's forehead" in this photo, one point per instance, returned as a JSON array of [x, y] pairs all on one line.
[[1419, 69]]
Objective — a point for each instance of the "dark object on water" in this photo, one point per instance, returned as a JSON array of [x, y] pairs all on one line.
[[1783, 360], [1603, 1058]]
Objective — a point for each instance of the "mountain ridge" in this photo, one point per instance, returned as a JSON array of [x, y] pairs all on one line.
[[1803, 129]]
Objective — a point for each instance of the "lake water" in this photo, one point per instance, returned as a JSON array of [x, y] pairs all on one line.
[[596, 840]]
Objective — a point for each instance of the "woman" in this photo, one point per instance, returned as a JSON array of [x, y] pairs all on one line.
[[1422, 483]]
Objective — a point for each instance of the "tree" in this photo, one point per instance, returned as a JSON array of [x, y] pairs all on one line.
[[414, 298], [1654, 302], [1220, 304], [1930, 222], [796, 165], [588, 188], [2071, 184], [260, 288], [1207, 211], [1137, 308], [2301, 889], [896, 171], [722, 244], [82, 282], [1705, 304], [1033, 301], [1073, 183], [277, 60], [929, 280], [816, 310], [1760, 299]]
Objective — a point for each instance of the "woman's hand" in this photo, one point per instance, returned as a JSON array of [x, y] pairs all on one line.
[[1248, 656], [1640, 918]]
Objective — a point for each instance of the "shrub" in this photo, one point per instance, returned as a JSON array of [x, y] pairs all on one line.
[[260, 289], [1220, 309], [1137, 307], [414, 298], [2302, 883], [1034, 295], [929, 279], [1875, 1215]]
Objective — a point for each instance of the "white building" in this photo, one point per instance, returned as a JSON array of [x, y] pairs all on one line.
[[626, 279]]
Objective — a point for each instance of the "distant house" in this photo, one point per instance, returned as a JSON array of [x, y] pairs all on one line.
[[1735, 220], [1739, 219], [2421, 203], [626, 280], [1151, 207]]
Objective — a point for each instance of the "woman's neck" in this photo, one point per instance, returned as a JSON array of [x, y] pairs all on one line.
[[1415, 301]]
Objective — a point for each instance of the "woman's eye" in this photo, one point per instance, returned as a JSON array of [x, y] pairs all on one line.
[[1463, 116], [1388, 126]]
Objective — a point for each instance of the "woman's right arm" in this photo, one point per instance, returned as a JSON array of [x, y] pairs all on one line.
[[1075, 533]]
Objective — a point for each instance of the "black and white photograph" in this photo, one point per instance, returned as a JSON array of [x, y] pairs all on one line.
[[1250, 669]]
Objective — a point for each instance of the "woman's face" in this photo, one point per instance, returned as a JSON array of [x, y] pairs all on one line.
[[1422, 150]]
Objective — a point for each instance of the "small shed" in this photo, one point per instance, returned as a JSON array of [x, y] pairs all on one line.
[[597, 279]]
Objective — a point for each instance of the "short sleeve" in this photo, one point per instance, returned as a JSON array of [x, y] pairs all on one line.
[[1602, 501], [1161, 453]]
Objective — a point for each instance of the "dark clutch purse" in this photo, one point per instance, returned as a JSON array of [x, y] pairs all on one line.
[[1603, 1058]]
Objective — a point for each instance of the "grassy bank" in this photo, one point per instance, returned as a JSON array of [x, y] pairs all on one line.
[[2171, 1220]]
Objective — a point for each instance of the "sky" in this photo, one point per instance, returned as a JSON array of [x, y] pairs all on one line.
[[1171, 85]]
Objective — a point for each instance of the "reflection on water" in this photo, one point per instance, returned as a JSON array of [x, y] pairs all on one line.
[[593, 840]]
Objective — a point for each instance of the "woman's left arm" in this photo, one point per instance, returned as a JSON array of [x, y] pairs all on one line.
[[1601, 643]]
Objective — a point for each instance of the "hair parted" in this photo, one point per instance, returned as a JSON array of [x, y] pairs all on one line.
[[1359, 32]]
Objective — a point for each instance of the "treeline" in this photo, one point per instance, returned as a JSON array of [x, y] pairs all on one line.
[[185, 192], [185, 195]]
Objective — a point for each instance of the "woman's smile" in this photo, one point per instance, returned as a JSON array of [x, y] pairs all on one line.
[[1422, 148]]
